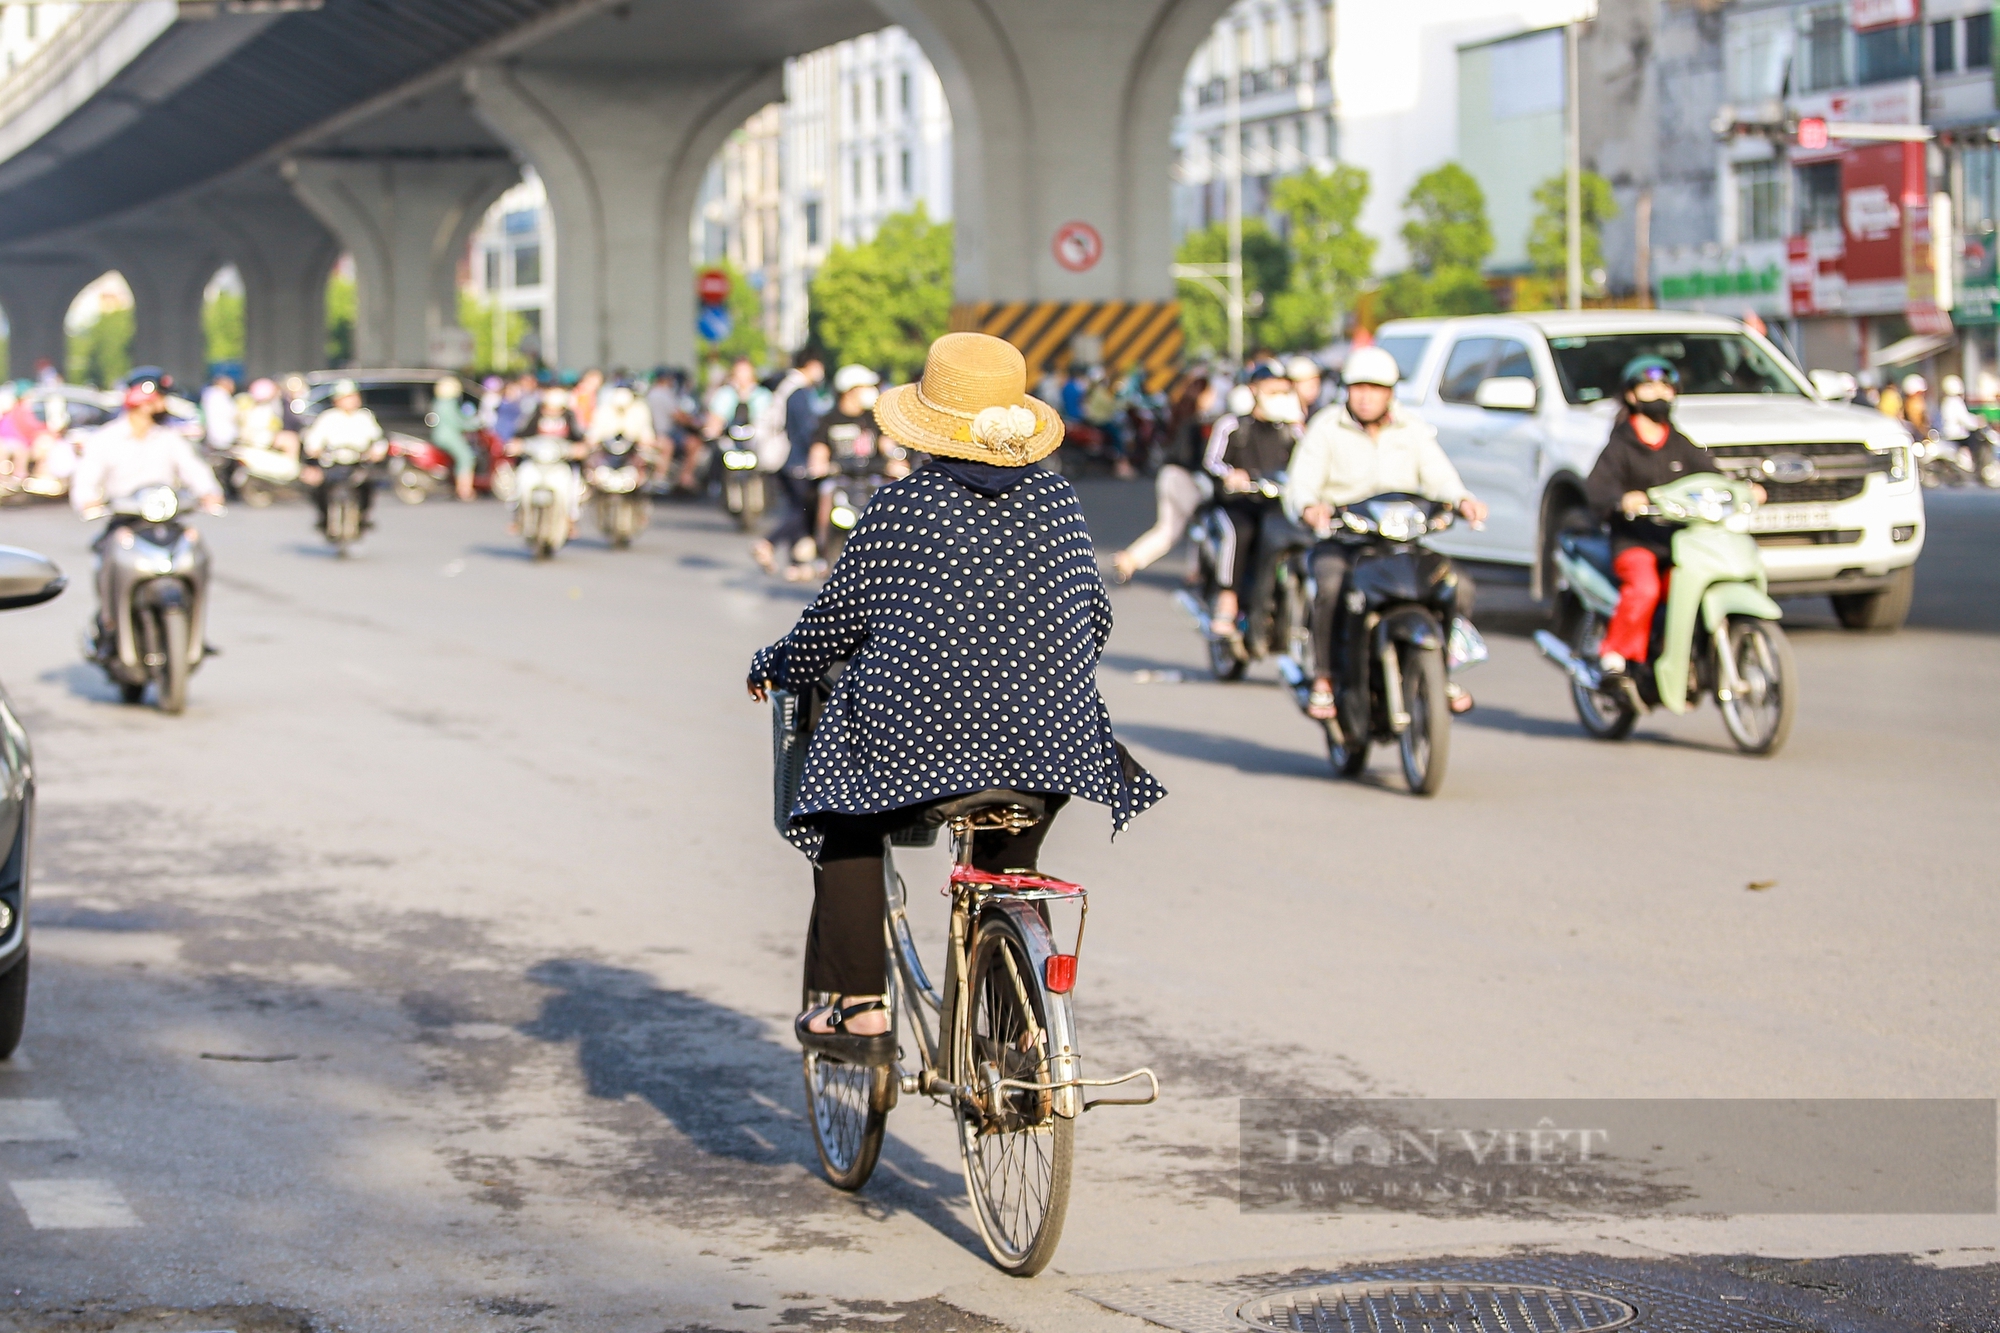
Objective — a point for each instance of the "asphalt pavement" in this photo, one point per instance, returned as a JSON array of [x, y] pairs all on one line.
[[435, 970]]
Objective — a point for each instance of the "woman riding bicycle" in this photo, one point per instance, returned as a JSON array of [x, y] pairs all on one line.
[[968, 608]]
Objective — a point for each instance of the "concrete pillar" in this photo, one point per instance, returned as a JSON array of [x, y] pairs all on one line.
[[284, 255], [166, 266], [405, 220], [1061, 113], [622, 154], [36, 288]]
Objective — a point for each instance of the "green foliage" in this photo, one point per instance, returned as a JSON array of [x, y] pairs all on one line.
[[1447, 225], [1548, 238], [101, 353], [1331, 257], [1449, 239], [1267, 273], [476, 317], [222, 325], [884, 302], [746, 321], [339, 320]]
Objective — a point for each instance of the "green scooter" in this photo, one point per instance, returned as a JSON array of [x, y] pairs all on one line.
[[1716, 631]]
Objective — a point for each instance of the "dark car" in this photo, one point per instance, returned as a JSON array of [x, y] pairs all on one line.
[[25, 580]]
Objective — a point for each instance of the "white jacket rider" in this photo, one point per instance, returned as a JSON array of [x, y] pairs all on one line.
[[622, 412]]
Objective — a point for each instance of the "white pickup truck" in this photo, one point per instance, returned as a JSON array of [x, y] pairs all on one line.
[[1523, 404]]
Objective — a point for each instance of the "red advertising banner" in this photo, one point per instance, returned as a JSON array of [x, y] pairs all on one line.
[[1800, 270], [1877, 184], [1882, 13]]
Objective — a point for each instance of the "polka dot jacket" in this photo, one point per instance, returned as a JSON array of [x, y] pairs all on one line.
[[971, 625]]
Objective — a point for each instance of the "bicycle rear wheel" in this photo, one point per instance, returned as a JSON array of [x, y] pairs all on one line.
[[1016, 1149], [849, 1109]]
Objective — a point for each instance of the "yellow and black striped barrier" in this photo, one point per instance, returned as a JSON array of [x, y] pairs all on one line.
[[1123, 334]]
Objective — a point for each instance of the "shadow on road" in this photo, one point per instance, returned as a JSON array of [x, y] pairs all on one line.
[[1237, 752], [85, 682]]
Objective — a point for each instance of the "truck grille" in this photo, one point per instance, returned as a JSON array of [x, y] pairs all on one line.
[[1819, 472]]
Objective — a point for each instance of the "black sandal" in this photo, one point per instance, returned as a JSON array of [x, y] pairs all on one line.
[[849, 1047]]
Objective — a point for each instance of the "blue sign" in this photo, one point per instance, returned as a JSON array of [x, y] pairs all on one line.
[[713, 323]]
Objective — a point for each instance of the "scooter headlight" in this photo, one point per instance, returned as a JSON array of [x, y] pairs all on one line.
[[739, 460], [1401, 521], [158, 504], [1713, 504]]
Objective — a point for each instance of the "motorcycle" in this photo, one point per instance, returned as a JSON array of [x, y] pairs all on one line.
[[1967, 462], [158, 599], [743, 483], [1398, 636], [343, 478], [417, 468], [1716, 630], [617, 478], [257, 476], [1276, 621], [546, 481]]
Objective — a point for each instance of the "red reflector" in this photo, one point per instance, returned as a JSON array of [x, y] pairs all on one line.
[[1060, 972]]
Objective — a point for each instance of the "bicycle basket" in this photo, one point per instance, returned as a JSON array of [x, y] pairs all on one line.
[[792, 719]]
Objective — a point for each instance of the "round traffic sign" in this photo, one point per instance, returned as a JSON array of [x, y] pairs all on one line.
[[713, 286], [1078, 246]]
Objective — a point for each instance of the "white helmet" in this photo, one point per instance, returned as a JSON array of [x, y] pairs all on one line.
[[1302, 368], [1242, 402], [1954, 386], [1914, 384], [1371, 365]]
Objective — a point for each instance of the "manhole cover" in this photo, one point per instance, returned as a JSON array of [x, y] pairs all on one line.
[[1436, 1307]]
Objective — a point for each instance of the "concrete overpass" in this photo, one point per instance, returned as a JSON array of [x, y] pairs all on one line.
[[147, 138]]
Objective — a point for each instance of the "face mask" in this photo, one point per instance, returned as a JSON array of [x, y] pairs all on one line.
[[867, 395], [1654, 409], [1281, 407]]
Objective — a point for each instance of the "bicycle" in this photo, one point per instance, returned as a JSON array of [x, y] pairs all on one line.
[[997, 1042]]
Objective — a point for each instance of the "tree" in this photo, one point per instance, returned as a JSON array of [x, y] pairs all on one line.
[[1449, 239], [746, 320], [1331, 257], [882, 303], [1548, 238], [1267, 269], [100, 353], [476, 317], [1447, 225], [340, 320], [222, 327]]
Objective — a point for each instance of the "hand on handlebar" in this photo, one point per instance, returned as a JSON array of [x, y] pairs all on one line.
[[1474, 510], [1318, 517], [1633, 503], [760, 690], [1236, 481], [212, 504]]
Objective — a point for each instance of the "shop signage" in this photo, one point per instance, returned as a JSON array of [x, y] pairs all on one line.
[[1750, 278], [1882, 13], [1884, 213]]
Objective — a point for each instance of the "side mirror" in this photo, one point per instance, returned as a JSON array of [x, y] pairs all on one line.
[[27, 579], [1511, 393]]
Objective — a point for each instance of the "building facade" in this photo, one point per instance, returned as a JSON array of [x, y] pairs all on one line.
[[511, 267], [740, 216]]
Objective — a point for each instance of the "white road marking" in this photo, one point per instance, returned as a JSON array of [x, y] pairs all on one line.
[[26, 1121], [73, 1205]]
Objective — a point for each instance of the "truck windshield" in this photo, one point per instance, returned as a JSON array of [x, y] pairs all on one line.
[[1710, 363]]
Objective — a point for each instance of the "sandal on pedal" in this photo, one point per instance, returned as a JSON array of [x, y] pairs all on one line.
[[850, 1047], [1320, 705], [1459, 700]]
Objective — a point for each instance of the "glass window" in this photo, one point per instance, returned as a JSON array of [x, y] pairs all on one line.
[[1511, 361], [1408, 349], [1757, 202], [1756, 49], [878, 99], [1888, 53], [1710, 363], [857, 180], [492, 270], [527, 265], [908, 171], [812, 222], [1817, 185], [1979, 42], [881, 174], [1944, 47], [1466, 368], [1822, 50], [519, 222], [903, 90]]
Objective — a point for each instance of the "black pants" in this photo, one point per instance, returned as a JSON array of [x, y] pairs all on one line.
[[1329, 569], [1251, 520], [801, 498], [845, 953], [363, 485]]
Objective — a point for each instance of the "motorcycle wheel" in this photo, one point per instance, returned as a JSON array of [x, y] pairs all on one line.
[[131, 694], [173, 678], [1426, 741], [1349, 761], [412, 486], [254, 493], [1608, 715], [1760, 718], [503, 483], [13, 1005]]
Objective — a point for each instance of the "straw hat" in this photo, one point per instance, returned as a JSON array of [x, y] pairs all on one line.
[[972, 403]]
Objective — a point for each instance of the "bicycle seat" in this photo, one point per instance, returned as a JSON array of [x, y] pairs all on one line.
[[1590, 547], [992, 798]]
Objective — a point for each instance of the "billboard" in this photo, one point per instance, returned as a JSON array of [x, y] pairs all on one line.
[[1883, 204]]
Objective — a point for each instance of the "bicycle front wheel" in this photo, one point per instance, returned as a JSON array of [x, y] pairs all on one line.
[[1016, 1148], [849, 1107]]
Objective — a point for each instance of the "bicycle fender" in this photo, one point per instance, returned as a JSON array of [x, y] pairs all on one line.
[[1723, 600], [1065, 1054]]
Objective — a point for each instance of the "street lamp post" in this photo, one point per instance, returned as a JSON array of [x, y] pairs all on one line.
[[1572, 168]]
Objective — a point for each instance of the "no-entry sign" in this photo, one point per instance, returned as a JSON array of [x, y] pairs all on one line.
[[1078, 246], [713, 286]]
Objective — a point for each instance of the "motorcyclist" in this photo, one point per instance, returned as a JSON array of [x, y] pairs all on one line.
[[1962, 427], [1369, 446], [450, 414], [1645, 450], [735, 404], [552, 420], [1309, 382], [345, 427], [131, 453], [797, 397], [1916, 413], [1243, 451], [622, 414]]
